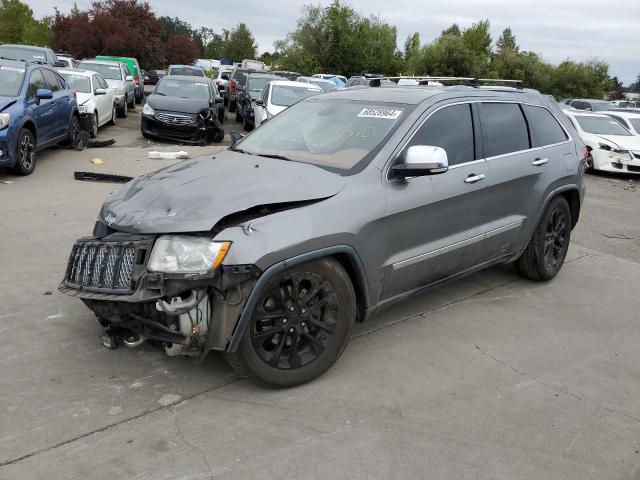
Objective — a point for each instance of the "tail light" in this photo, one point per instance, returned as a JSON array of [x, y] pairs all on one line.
[[218, 82], [233, 86], [74, 93], [137, 79], [585, 155]]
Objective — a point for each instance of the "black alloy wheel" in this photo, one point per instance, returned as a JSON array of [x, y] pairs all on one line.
[[26, 153], [294, 321], [555, 238], [299, 327]]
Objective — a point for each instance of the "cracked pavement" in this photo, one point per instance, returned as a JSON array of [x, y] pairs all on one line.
[[490, 377]]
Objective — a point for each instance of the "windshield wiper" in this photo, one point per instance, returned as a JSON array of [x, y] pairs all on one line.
[[163, 94], [239, 150], [274, 155]]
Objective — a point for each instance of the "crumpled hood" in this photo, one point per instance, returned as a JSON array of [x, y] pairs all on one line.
[[176, 104], [6, 102], [192, 196], [624, 142]]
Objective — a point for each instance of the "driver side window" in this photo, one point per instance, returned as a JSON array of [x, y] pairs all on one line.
[[450, 128], [36, 81]]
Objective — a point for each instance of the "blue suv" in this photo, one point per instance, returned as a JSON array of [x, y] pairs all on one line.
[[37, 110]]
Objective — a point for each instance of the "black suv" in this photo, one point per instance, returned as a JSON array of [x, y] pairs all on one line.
[[249, 91]]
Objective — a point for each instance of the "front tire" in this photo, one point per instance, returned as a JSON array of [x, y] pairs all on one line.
[[232, 106], [247, 124], [299, 327], [94, 125], [544, 256], [114, 115], [25, 153]]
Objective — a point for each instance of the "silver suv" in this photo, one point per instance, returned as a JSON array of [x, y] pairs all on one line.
[[341, 205], [119, 78]]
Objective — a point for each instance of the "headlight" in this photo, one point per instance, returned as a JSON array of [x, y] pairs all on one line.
[[186, 254], [4, 120], [82, 109], [120, 91], [147, 110]]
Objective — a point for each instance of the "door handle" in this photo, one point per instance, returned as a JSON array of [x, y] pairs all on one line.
[[474, 178], [539, 161]]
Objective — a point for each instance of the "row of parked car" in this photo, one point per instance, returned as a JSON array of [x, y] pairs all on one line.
[[610, 130]]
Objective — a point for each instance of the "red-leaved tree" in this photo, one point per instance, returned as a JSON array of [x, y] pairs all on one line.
[[111, 27], [181, 50]]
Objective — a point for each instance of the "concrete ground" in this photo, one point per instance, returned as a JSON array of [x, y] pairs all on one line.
[[491, 377]]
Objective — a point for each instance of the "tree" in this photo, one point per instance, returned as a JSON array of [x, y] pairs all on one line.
[[181, 49], [240, 44], [507, 43], [411, 45], [111, 27], [17, 25]]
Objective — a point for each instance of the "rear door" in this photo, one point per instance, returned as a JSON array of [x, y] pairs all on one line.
[[434, 228], [517, 172]]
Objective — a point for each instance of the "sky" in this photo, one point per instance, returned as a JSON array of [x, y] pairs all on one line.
[[555, 29]]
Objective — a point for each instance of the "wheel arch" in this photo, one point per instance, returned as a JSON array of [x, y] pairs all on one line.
[[572, 196], [345, 255], [30, 125]]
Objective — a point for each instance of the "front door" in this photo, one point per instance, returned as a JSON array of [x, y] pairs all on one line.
[[42, 111], [434, 228]]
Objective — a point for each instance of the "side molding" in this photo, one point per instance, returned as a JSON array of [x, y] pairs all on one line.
[[245, 317]]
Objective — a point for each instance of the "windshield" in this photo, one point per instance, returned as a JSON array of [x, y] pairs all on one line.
[[77, 82], [602, 126], [334, 134], [187, 72], [110, 72], [285, 96], [602, 106], [183, 89], [258, 84], [21, 53], [325, 86], [10, 80], [635, 123]]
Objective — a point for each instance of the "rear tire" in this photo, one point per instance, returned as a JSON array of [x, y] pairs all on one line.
[[25, 153], [132, 103], [299, 327], [544, 256]]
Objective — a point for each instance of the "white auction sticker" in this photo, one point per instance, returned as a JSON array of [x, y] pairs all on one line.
[[379, 112], [12, 69]]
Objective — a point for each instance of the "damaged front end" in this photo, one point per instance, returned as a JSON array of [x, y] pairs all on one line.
[[199, 128], [187, 312]]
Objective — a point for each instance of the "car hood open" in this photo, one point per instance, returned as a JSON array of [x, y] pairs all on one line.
[[194, 195], [177, 104]]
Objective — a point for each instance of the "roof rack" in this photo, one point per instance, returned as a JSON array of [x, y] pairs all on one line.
[[468, 81]]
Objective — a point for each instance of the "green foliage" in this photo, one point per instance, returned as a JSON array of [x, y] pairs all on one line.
[[507, 42], [240, 44], [336, 39], [17, 25]]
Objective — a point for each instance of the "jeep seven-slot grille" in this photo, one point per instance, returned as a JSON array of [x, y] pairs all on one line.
[[105, 266]]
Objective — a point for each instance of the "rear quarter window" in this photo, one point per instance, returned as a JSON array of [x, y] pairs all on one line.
[[545, 129], [504, 129]]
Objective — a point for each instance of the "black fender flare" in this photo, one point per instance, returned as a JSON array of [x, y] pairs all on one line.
[[276, 268]]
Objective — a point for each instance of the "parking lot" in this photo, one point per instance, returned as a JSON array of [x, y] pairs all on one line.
[[490, 377]]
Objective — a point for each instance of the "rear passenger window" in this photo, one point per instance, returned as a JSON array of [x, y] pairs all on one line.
[[545, 129], [450, 128], [504, 129]]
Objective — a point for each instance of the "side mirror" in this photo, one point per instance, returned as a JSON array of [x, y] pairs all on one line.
[[100, 91], [44, 94], [236, 137], [421, 160], [129, 78], [219, 100], [60, 64]]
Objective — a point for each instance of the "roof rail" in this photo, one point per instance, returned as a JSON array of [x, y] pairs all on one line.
[[468, 81]]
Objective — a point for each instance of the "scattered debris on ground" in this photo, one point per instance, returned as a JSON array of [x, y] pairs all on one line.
[[181, 155], [101, 177]]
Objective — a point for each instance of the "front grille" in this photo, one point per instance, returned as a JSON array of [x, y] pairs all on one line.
[[175, 119], [105, 266]]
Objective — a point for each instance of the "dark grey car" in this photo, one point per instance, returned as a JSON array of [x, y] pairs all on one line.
[[341, 205]]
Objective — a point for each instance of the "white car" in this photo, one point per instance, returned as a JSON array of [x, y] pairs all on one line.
[[326, 85], [329, 76], [279, 95], [629, 120], [222, 79], [94, 96], [612, 147]]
